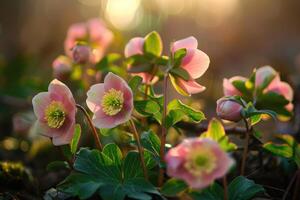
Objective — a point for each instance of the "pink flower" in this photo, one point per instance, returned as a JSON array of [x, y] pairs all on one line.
[[229, 110], [62, 67], [198, 162], [135, 47], [265, 73], [81, 54], [94, 33], [282, 88], [228, 87], [55, 111], [195, 63], [111, 102]]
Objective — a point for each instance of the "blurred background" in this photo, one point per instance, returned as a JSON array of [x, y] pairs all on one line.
[[238, 35]]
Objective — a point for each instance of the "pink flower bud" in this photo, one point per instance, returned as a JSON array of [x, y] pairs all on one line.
[[264, 73], [81, 54], [62, 66], [228, 87], [229, 110]]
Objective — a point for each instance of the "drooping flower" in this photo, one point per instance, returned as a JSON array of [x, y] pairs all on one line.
[[229, 110], [81, 54], [195, 62], [94, 33], [111, 102], [198, 162], [55, 111], [264, 75], [62, 67], [228, 87], [135, 47]]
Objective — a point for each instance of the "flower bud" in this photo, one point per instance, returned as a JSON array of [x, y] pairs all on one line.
[[229, 110], [263, 74], [62, 66], [81, 54]]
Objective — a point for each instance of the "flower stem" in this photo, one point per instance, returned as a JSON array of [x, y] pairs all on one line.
[[163, 131], [94, 131], [244, 158], [140, 148], [225, 188]]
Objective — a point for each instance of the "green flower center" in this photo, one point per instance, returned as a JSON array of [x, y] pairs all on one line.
[[55, 114], [201, 162], [112, 102]]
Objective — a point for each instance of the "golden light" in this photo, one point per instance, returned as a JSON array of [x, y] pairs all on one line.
[[172, 7], [123, 14]]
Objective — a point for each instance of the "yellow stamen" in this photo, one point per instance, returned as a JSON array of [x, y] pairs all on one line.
[[112, 102], [55, 114]]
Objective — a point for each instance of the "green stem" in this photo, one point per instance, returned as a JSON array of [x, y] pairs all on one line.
[[94, 131], [164, 130], [244, 158], [140, 148]]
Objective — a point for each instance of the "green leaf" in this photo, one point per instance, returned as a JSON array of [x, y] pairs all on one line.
[[56, 165], [177, 111], [213, 192], [251, 111], [255, 119], [163, 60], [242, 188], [108, 175], [217, 133], [173, 187], [178, 56], [153, 44], [148, 108], [245, 87], [67, 151], [176, 86], [107, 61], [134, 83], [76, 138], [151, 142], [181, 73], [282, 150]]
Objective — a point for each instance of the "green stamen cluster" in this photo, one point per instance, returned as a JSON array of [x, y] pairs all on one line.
[[201, 162], [112, 102], [55, 115]]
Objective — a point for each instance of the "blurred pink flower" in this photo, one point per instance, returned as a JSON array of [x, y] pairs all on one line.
[[81, 54], [55, 111], [228, 87], [198, 162], [94, 33], [111, 102], [62, 67], [263, 74], [229, 110], [195, 63], [135, 47]]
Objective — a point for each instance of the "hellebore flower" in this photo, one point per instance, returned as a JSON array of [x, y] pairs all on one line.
[[264, 75], [198, 162], [228, 87], [229, 110], [81, 54], [135, 47], [94, 33], [62, 67], [195, 62], [55, 111], [111, 102]]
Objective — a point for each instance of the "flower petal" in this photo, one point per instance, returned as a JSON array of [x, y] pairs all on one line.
[[190, 87], [94, 96], [40, 103], [101, 120], [134, 46], [187, 43], [113, 81], [195, 63]]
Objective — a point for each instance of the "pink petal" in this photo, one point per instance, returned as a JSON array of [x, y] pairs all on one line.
[[134, 46], [282, 88], [289, 107], [113, 81], [262, 73], [195, 63], [99, 33], [101, 120], [94, 96], [66, 137], [190, 87], [229, 89], [187, 43], [40, 103]]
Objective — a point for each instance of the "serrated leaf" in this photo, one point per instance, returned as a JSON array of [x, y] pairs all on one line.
[[217, 133], [153, 44], [242, 188], [173, 187], [177, 111], [151, 142], [134, 83], [148, 108], [75, 139]]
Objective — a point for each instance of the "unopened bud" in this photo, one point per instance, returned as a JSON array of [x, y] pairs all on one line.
[[81, 54], [229, 110]]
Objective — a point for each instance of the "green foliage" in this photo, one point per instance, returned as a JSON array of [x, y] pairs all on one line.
[[149, 108], [250, 112], [173, 187], [217, 133], [181, 73], [75, 139], [178, 56], [108, 175], [240, 188], [288, 148], [134, 83], [153, 44], [56, 165], [178, 111]]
